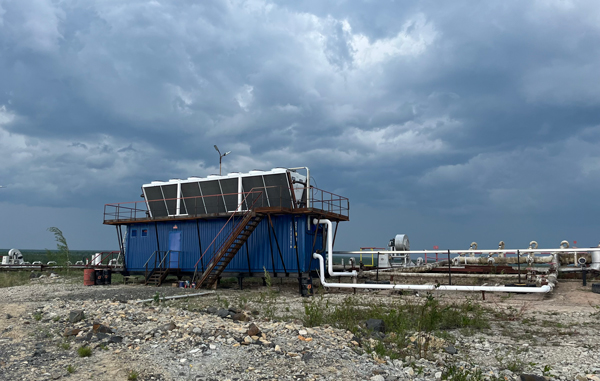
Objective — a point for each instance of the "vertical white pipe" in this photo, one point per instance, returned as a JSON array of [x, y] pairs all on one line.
[[178, 208], [239, 209], [330, 249]]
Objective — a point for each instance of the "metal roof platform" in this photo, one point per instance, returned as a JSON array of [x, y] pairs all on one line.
[[261, 200]]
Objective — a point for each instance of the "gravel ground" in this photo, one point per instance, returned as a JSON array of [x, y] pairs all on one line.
[[226, 335]]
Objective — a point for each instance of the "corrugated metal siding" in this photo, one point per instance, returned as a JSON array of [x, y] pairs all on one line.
[[261, 249]]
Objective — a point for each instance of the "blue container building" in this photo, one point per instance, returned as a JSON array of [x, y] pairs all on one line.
[[240, 224]]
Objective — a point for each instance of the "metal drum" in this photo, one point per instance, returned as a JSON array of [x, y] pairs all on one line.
[[107, 276], [99, 276], [89, 277], [306, 287]]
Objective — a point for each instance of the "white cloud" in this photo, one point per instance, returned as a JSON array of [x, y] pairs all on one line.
[[413, 39], [36, 24], [244, 97]]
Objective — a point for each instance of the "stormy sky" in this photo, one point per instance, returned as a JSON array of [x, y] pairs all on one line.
[[451, 122]]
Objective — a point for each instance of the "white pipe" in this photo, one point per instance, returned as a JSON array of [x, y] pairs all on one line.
[[240, 196], [307, 185], [330, 249], [480, 251], [370, 274], [176, 297], [426, 287]]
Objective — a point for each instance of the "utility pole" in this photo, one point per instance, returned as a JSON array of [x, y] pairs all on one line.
[[221, 157]]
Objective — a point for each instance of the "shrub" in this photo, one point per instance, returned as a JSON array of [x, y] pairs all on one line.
[[84, 351]]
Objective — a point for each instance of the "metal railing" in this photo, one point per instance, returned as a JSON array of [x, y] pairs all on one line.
[[271, 196], [235, 220], [162, 261]]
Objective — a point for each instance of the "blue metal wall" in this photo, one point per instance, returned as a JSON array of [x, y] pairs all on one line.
[[259, 251]]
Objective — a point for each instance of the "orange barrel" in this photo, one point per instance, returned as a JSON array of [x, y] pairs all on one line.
[[89, 277]]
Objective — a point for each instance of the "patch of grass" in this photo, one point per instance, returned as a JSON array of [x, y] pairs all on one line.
[[421, 320], [456, 373], [84, 351], [37, 316], [223, 302], [56, 318], [269, 297], [132, 376], [511, 362], [70, 368], [14, 278], [547, 371], [65, 345], [103, 347]]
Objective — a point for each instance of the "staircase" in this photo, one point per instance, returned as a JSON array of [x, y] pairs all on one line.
[[229, 249], [157, 277]]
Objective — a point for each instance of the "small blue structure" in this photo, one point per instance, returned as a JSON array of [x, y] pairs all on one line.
[[240, 224]]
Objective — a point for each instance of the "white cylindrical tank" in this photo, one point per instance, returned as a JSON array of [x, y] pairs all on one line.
[[96, 259], [595, 260]]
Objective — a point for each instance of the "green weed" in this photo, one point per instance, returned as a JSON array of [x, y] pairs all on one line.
[[84, 351]]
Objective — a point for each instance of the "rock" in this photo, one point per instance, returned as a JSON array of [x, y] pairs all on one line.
[[581, 377], [76, 316], [115, 339], [9, 316], [378, 377], [197, 331], [592, 377], [438, 375], [410, 371], [307, 356], [277, 348], [99, 328], [532, 377], [302, 332], [33, 275], [212, 310], [168, 327], [375, 325], [71, 332], [253, 330], [240, 316], [451, 349], [223, 313]]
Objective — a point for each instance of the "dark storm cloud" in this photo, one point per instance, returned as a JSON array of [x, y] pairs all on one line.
[[436, 113]]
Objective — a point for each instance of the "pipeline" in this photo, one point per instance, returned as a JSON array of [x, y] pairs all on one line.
[[330, 249], [371, 274], [425, 287]]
